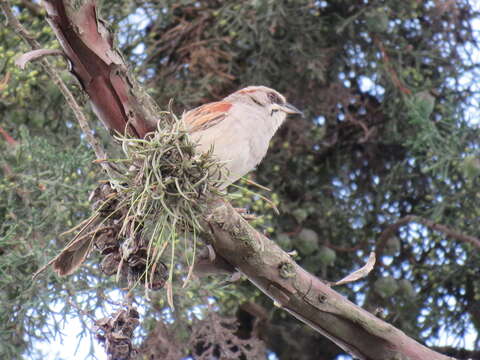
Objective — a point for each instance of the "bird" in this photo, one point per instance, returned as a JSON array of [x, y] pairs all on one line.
[[238, 128]]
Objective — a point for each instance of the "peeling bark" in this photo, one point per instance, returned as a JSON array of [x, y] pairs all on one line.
[[99, 67]]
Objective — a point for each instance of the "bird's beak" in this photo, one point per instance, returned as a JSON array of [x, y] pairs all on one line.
[[290, 109]]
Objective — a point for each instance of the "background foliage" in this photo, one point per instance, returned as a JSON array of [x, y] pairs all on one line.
[[391, 129]]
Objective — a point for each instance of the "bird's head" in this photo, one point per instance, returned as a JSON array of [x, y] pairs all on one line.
[[271, 100]]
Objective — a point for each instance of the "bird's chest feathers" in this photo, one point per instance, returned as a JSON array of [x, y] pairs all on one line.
[[241, 140], [258, 129]]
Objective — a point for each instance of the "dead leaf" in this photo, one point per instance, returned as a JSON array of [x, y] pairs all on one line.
[[360, 273]]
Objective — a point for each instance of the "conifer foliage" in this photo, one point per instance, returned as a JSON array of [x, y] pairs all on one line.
[[386, 159]]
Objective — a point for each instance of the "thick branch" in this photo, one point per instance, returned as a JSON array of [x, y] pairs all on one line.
[[99, 68], [304, 296]]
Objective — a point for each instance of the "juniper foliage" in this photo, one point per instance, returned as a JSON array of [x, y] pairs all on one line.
[[391, 130]]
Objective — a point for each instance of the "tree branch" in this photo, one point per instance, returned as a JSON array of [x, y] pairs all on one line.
[[122, 105], [35, 9], [390, 231], [303, 295], [50, 70], [100, 69]]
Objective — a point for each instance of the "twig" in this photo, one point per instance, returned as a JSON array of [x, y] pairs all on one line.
[[348, 21], [390, 231], [268, 201], [4, 81], [10, 140], [394, 77], [35, 9], [73, 104]]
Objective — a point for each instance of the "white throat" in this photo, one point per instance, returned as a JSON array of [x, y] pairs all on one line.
[[276, 120]]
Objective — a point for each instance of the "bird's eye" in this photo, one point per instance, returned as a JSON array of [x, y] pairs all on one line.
[[275, 98]]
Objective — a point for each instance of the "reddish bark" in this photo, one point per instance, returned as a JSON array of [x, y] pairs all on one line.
[[99, 67]]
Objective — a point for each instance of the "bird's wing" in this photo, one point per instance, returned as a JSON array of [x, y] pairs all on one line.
[[206, 116]]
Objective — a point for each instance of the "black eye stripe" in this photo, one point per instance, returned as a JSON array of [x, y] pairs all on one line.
[[255, 101]]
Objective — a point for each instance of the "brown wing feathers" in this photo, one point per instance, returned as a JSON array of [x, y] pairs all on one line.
[[206, 115]]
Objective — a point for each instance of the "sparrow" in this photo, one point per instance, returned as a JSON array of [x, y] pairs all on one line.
[[239, 128]]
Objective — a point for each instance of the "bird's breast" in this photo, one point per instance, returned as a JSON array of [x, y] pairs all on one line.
[[240, 141]]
